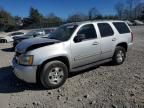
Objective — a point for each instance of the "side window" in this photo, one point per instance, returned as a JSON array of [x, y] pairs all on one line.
[[17, 33], [13, 34], [121, 27], [105, 29], [88, 31]]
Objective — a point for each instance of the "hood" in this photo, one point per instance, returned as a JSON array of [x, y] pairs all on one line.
[[31, 44]]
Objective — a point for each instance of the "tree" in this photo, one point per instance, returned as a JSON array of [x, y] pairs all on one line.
[[77, 17], [142, 15], [6, 20], [119, 9], [35, 16], [110, 17], [99, 17], [132, 10], [125, 14], [18, 21], [93, 13], [52, 20], [138, 10]]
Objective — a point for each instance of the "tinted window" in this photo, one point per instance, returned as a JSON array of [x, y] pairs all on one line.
[[105, 29], [88, 31], [17, 33], [121, 27]]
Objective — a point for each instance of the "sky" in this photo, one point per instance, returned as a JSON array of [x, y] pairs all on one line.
[[62, 8]]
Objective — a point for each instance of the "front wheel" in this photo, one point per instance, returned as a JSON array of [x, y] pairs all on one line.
[[54, 74], [119, 55]]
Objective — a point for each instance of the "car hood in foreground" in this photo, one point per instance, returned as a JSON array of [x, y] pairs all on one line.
[[31, 44]]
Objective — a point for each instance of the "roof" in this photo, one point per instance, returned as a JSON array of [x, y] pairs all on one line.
[[98, 21]]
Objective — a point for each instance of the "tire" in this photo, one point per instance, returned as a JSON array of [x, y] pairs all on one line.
[[54, 74], [119, 55]]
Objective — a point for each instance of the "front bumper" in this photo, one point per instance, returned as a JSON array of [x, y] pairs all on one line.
[[25, 73]]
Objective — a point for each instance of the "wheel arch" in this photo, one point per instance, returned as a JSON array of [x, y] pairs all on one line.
[[63, 59], [124, 45]]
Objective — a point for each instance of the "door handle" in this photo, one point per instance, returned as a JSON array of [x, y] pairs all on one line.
[[114, 39], [95, 43]]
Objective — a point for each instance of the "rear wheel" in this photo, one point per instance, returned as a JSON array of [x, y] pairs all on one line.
[[119, 55], [54, 74]]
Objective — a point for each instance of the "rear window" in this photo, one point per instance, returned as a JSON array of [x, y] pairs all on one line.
[[121, 27], [105, 29]]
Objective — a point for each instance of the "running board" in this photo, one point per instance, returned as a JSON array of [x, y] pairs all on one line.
[[90, 65]]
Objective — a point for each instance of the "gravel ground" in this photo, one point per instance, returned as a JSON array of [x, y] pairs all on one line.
[[105, 86]]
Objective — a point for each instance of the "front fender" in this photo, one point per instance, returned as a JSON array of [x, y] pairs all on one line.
[[48, 52]]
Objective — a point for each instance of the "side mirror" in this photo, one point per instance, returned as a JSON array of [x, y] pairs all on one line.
[[79, 38]]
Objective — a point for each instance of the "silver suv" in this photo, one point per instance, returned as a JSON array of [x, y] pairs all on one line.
[[71, 48]]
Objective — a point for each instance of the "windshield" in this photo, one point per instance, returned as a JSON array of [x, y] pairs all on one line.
[[63, 33], [30, 33]]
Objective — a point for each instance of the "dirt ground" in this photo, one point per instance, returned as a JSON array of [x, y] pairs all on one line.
[[106, 86]]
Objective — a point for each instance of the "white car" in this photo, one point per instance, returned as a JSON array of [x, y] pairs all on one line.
[[9, 38], [129, 23], [33, 34], [138, 22]]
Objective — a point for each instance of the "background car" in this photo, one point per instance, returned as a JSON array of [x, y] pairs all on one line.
[[129, 23], [138, 22], [33, 34], [9, 38]]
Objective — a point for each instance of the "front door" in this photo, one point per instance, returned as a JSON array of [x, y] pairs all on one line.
[[87, 50]]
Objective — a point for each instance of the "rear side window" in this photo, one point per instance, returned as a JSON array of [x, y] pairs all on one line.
[[121, 27], [105, 29]]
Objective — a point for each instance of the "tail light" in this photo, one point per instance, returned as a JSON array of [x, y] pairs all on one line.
[[132, 36]]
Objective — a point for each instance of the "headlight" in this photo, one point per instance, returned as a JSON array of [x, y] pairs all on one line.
[[26, 59]]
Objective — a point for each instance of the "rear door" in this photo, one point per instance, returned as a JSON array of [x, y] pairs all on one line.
[[108, 40]]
